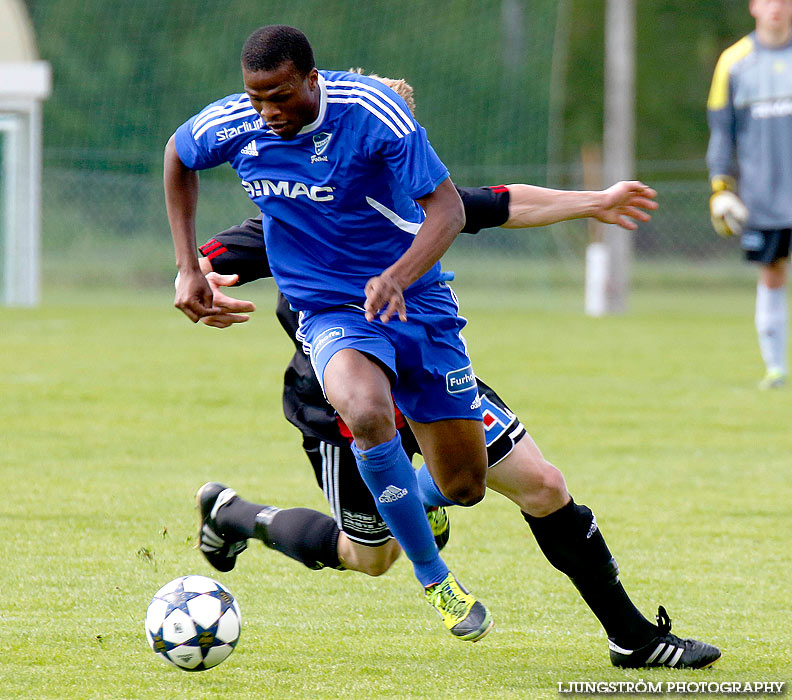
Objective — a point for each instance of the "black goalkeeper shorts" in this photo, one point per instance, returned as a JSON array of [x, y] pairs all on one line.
[[765, 247]]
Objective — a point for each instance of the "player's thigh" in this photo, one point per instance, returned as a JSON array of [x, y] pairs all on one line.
[[352, 376], [526, 478], [456, 456], [355, 365], [774, 275]]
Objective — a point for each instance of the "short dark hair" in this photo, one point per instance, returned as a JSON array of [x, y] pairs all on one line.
[[271, 46]]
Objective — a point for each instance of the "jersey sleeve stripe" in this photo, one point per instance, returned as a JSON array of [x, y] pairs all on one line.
[[379, 104], [339, 87], [719, 90], [216, 110], [370, 108], [216, 252], [209, 246], [249, 112]]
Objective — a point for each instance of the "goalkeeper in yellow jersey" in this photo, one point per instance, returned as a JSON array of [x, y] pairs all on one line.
[[750, 165]]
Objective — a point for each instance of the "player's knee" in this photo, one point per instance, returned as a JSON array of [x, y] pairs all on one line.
[[465, 493], [377, 568], [550, 493], [367, 418], [375, 561]]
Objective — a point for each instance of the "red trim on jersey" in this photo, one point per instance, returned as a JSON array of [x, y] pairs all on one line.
[[209, 246], [500, 188], [344, 430], [215, 253]]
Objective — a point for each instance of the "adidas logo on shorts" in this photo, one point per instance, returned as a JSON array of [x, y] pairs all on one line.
[[391, 494]]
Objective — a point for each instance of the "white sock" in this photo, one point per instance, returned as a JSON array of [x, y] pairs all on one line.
[[771, 325]]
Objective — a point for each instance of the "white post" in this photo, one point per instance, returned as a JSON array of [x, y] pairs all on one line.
[[22, 87], [619, 138]]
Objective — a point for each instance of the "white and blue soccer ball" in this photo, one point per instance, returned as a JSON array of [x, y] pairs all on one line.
[[193, 623]]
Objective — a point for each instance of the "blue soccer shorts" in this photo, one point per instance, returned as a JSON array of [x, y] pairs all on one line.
[[431, 374]]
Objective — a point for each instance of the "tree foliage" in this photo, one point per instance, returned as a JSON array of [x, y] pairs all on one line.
[[127, 74], [677, 45]]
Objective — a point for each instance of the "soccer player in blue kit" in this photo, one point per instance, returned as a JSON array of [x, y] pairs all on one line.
[[355, 537], [357, 210]]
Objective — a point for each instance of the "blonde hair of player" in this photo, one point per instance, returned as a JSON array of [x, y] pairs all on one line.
[[401, 87]]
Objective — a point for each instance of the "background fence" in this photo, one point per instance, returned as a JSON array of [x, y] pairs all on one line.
[[491, 80]]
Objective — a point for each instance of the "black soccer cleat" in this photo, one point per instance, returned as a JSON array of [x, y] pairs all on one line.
[[219, 553], [665, 650]]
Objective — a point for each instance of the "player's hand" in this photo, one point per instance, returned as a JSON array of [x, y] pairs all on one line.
[[625, 201], [383, 292], [194, 295], [232, 310], [728, 213]]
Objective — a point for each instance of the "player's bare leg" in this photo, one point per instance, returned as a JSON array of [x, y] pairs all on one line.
[[456, 456], [373, 561], [526, 478], [568, 535]]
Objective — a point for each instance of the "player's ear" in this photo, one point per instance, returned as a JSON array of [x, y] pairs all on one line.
[[313, 78]]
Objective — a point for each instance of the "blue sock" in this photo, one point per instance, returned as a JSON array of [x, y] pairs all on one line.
[[390, 477], [430, 494]]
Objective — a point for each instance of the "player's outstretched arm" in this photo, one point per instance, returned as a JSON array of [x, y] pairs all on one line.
[[444, 220], [621, 204], [193, 294]]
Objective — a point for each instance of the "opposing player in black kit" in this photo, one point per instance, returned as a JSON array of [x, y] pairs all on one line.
[[356, 537]]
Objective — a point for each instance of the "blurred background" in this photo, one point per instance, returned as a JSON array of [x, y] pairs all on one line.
[[509, 91]]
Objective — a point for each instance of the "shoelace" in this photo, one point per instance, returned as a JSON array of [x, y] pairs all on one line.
[[663, 622], [448, 601], [664, 630]]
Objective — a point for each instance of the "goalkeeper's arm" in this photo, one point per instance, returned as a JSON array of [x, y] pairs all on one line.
[[727, 211]]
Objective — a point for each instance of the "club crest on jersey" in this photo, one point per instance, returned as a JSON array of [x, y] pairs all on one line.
[[320, 142], [460, 380]]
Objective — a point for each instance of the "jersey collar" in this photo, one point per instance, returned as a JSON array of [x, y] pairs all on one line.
[[316, 123]]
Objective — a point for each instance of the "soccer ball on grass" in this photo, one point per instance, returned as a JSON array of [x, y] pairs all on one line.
[[193, 623]]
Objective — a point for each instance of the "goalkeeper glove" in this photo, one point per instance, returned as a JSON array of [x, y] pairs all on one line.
[[727, 212]]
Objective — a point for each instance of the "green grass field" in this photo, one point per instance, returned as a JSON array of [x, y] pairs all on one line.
[[115, 409]]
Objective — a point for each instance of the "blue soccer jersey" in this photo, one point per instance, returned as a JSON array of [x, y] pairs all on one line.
[[338, 200]]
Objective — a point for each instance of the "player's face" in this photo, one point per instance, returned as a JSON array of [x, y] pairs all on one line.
[[286, 99], [772, 15]]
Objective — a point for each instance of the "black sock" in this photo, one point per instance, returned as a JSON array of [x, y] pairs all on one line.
[[573, 544], [303, 534], [236, 519]]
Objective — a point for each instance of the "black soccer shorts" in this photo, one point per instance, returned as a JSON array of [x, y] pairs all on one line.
[[351, 503], [765, 246]]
